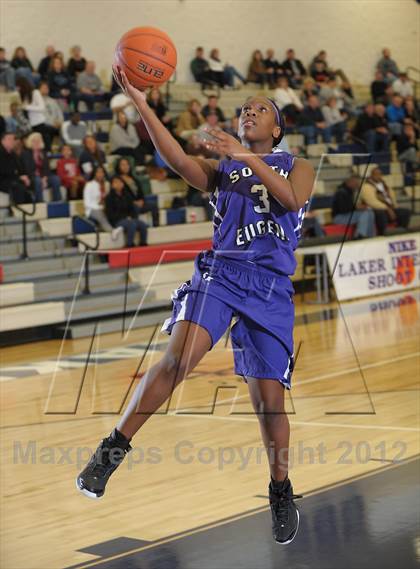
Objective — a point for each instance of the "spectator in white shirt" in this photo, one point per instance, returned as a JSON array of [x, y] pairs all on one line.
[[33, 103], [403, 86], [73, 132], [222, 73], [123, 139], [94, 194], [54, 117], [287, 100], [335, 119]]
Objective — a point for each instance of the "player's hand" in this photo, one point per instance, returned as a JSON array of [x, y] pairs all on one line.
[[224, 144], [129, 89]]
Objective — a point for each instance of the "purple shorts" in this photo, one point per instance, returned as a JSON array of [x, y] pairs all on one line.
[[259, 301]]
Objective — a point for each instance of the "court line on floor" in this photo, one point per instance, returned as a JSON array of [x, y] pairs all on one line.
[[75, 419], [325, 376], [236, 517], [304, 423], [352, 370]]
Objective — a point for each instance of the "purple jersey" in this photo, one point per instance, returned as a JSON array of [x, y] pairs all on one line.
[[249, 224]]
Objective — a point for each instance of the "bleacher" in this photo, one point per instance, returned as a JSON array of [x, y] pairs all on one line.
[[138, 282]]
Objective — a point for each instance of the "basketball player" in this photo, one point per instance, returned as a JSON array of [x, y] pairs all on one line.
[[259, 198]]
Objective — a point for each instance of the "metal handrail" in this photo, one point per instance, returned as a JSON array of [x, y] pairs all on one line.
[[24, 254], [87, 246]]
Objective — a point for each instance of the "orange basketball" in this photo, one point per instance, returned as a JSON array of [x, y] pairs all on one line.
[[147, 56]]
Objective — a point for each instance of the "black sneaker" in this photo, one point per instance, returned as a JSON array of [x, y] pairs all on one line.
[[284, 513], [108, 456]]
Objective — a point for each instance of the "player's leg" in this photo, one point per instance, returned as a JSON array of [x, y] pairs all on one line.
[[267, 398], [197, 322], [189, 342], [265, 363]]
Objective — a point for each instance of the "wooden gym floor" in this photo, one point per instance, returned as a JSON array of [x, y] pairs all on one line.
[[194, 491]]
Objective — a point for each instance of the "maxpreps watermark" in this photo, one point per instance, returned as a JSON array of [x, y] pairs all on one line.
[[186, 452]]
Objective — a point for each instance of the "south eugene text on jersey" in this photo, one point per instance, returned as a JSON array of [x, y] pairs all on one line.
[[249, 224]]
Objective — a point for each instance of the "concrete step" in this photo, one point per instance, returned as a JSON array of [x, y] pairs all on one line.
[[98, 306], [110, 325], [29, 268]]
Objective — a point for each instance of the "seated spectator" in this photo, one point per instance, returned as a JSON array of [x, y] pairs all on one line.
[[44, 64], [395, 113], [412, 115], [94, 195], [212, 107], [334, 119], [232, 126], [331, 89], [36, 164], [309, 88], [17, 122], [403, 86], [155, 100], [34, 105], [121, 212], [189, 120], [321, 57], [381, 126], [319, 72], [59, 81], [273, 68], [407, 147], [89, 86], [311, 122], [7, 72], [123, 139], [311, 226], [216, 66], [54, 117], [125, 171], [221, 73], [14, 180], [294, 69], [211, 123], [200, 68], [120, 102], [378, 196], [346, 209], [378, 88], [256, 70], [73, 133], [69, 173], [23, 66], [287, 99], [77, 63], [365, 131], [200, 199], [387, 66], [91, 157]]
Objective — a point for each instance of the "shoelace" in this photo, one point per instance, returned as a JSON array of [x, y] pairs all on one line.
[[103, 462], [281, 501]]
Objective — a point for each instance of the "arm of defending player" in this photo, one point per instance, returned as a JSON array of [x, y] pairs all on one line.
[[199, 173]]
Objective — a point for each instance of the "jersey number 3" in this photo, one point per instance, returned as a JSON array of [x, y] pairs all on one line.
[[263, 197]]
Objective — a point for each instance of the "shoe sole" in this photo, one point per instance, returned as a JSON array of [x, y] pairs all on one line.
[[293, 536], [87, 493]]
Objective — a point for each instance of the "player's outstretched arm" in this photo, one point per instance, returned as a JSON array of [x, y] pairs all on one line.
[[199, 173]]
